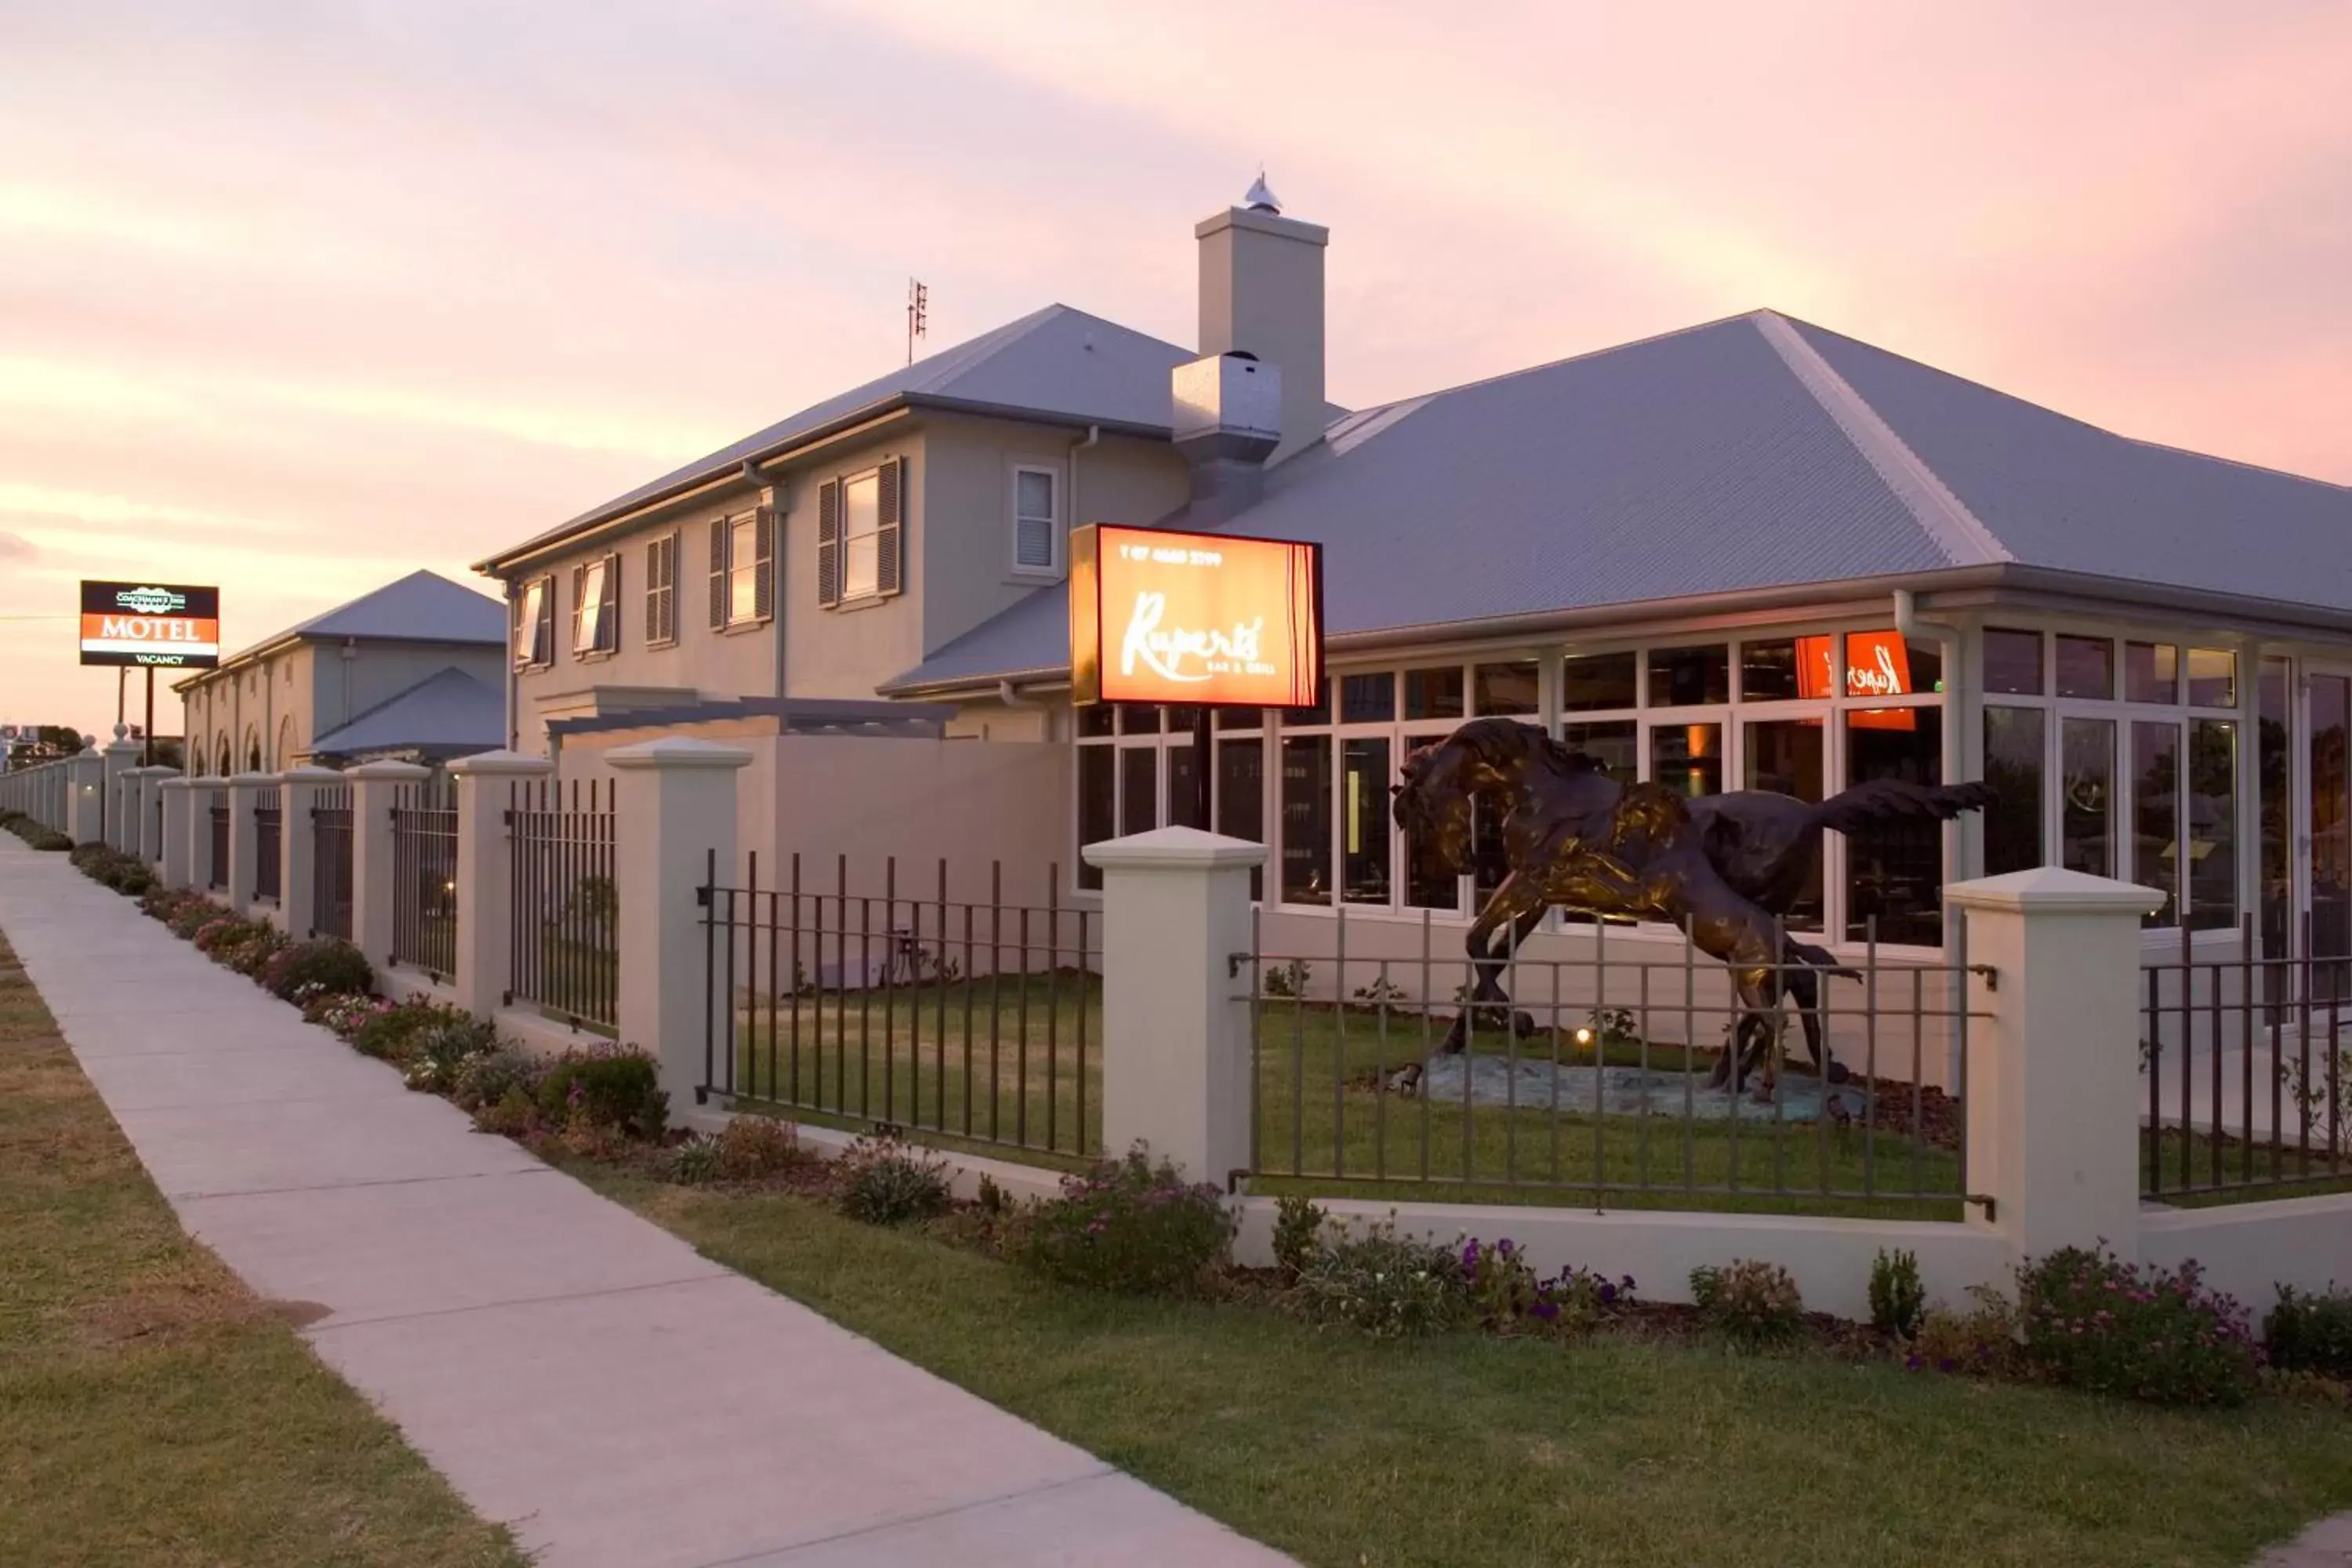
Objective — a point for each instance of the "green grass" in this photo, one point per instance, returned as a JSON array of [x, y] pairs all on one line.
[[971, 1064], [2247, 1170], [1473, 1452], [152, 1410]]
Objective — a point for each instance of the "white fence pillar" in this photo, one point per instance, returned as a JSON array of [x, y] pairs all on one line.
[[2053, 1089], [119, 758], [85, 804], [244, 840], [146, 831], [486, 875], [1176, 1034], [297, 848], [180, 798], [203, 874], [374, 787], [674, 817]]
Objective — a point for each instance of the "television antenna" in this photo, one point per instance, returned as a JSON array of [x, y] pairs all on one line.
[[918, 314]]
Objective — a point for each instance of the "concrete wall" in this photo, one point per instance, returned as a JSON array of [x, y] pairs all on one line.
[[289, 698]]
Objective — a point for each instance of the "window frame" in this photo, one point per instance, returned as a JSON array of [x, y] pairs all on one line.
[[539, 614], [872, 593], [1058, 524], [604, 573]]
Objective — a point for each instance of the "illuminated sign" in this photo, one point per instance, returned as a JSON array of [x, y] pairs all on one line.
[[1878, 664], [161, 625], [1199, 618]]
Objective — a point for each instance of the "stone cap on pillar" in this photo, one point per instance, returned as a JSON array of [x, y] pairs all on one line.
[[124, 747], [1173, 849], [2051, 890], [678, 751], [406, 772], [208, 781], [179, 781], [149, 772], [251, 781], [502, 764], [309, 773]]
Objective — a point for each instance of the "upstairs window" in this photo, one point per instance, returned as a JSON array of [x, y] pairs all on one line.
[[743, 569], [1037, 527], [595, 606], [857, 535], [661, 591], [534, 624]]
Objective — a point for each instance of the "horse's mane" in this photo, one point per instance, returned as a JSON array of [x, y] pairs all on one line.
[[1499, 742]]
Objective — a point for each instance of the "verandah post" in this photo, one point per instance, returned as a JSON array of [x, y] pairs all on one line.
[[673, 819], [486, 875], [1176, 1014]]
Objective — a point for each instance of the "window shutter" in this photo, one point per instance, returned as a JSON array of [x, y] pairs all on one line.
[[579, 582], [763, 576], [652, 590], [608, 621], [669, 585], [886, 532], [828, 542], [718, 573]]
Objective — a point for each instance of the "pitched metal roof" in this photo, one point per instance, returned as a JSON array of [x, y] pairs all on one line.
[[423, 607], [1737, 457], [448, 713]]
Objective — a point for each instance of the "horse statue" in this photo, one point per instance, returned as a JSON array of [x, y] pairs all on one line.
[[1723, 868]]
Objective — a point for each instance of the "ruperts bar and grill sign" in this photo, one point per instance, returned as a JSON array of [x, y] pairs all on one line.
[[174, 626], [1202, 618]]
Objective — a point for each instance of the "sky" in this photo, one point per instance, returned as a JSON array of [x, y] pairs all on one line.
[[297, 296]]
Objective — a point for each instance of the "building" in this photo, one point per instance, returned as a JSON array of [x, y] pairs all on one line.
[[1751, 554], [414, 671]]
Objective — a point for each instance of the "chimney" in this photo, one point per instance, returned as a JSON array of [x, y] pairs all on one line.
[[1261, 294], [1226, 418]]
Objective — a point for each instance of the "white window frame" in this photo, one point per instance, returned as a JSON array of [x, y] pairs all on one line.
[[873, 589], [1057, 528], [603, 639], [743, 570], [537, 609]]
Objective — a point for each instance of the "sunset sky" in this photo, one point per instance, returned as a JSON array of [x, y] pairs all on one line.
[[296, 298]]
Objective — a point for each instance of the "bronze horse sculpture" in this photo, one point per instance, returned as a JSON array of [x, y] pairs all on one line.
[[1725, 869]]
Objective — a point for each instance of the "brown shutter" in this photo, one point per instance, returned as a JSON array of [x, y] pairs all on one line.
[[718, 573], [828, 542], [669, 584], [763, 577], [652, 590], [579, 585], [608, 623], [887, 512]]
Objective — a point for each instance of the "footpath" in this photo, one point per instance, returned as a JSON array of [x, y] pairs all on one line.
[[575, 1372]]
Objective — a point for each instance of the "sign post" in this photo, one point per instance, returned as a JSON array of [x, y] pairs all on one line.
[[1198, 620]]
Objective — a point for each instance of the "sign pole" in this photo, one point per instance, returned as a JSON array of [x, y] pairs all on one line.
[[120, 675], [148, 730], [1203, 769]]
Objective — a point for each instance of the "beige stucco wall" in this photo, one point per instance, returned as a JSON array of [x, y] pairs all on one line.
[[844, 652], [289, 698]]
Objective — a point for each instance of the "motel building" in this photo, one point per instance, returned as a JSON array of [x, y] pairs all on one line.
[[1751, 554]]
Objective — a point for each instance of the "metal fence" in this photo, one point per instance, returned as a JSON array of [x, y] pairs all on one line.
[[1606, 1077], [330, 862], [268, 843], [216, 864], [927, 1006], [425, 878], [2248, 1067], [564, 952]]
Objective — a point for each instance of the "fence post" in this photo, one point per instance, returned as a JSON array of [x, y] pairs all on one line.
[[374, 785], [85, 811], [2053, 1080], [146, 794], [202, 793], [1176, 1044], [298, 846], [486, 875], [120, 757], [673, 811], [244, 837], [180, 799]]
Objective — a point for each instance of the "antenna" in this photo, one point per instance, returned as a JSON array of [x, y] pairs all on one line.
[[918, 317]]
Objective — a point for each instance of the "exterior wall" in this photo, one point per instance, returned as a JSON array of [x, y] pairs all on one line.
[[847, 650], [381, 670], [286, 700]]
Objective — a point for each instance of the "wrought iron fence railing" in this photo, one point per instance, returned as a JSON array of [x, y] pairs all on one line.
[[1607, 1078], [2247, 1063], [268, 843], [565, 951], [932, 1006], [330, 862], [425, 878], [217, 862]]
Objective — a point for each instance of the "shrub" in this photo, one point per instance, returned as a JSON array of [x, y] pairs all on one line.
[[193, 917], [751, 1147], [2308, 1333], [1580, 1297], [1128, 1226], [1503, 1286], [250, 954], [440, 1052], [1384, 1285], [1751, 1303], [487, 1077], [322, 966], [883, 1181], [617, 1086], [1297, 1235], [513, 1114], [389, 1032], [695, 1161], [1898, 1298], [1981, 1340], [2093, 1322], [38, 836], [110, 868], [166, 904]]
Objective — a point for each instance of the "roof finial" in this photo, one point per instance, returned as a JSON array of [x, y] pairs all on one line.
[[1259, 199]]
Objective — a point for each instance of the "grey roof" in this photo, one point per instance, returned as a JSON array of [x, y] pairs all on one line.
[[1059, 362], [448, 713], [423, 607], [1744, 455]]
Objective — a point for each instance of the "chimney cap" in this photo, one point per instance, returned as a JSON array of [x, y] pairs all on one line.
[[1259, 198]]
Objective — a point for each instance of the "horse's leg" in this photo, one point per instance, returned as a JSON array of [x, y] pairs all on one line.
[[1730, 930], [1804, 984], [1501, 909]]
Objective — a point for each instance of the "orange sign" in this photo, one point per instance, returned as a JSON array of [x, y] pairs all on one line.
[[1878, 664], [1202, 618], [149, 624]]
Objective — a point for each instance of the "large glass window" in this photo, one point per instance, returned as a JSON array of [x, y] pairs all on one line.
[[1307, 819], [1506, 688], [1599, 682], [2331, 831], [2272, 693], [2212, 678], [2012, 663], [1241, 796], [2012, 823], [1097, 719], [1367, 699], [2086, 821], [1885, 663], [1430, 882], [1784, 756], [1097, 804], [1184, 789], [1895, 872], [1767, 671], [1139, 789], [1433, 693], [1615, 744], [1687, 757], [1687, 676], [1364, 819], [2087, 668], [2212, 812], [2151, 672], [2155, 814]]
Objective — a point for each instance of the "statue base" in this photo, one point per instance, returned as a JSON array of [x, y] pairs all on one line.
[[1531, 1084]]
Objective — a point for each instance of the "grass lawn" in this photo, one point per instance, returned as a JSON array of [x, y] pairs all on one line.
[[1470, 1452], [1019, 1062], [152, 1410]]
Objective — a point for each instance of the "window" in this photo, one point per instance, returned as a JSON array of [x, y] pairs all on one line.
[[857, 535], [2211, 823], [2087, 811], [743, 569], [2272, 705], [2012, 766], [1767, 671], [2012, 664], [2151, 672], [1037, 527], [1241, 796], [1139, 789], [595, 606], [1615, 744], [1894, 873], [2087, 668], [661, 590], [1433, 693], [1687, 757], [1098, 803], [2155, 815], [1681, 676], [1505, 687], [1364, 822], [1597, 682], [1367, 699], [534, 625], [2212, 678], [1307, 819]]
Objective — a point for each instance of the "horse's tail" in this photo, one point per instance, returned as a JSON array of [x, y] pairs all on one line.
[[1820, 958], [1897, 800]]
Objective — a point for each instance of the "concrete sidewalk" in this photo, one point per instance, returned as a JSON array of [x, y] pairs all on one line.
[[574, 1371]]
